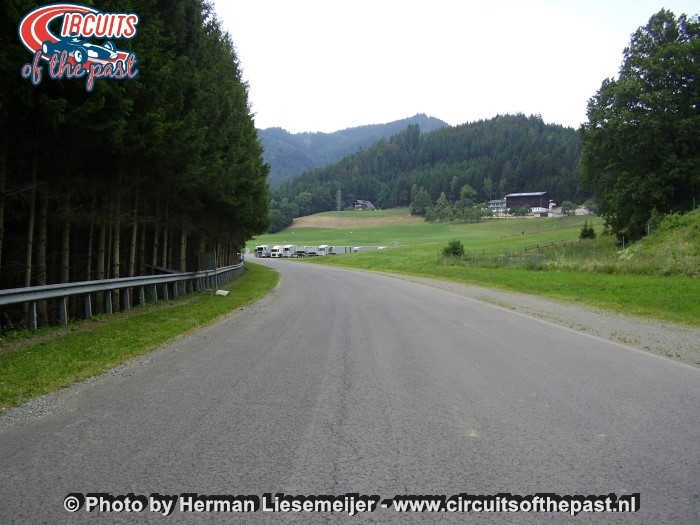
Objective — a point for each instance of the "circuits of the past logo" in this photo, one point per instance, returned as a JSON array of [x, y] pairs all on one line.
[[70, 53]]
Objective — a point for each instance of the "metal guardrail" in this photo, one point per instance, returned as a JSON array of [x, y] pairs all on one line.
[[179, 283]]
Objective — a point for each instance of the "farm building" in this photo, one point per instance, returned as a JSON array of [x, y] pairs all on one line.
[[537, 199], [497, 206], [363, 205]]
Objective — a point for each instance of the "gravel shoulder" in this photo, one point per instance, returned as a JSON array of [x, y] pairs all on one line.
[[671, 340]]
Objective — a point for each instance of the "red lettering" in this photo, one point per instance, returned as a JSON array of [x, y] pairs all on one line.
[[120, 18], [95, 72], [119, 71], [131, 22], [101, 29], [130, 63], [75, 21], [66, 23], [52, 65], [110, 31], [88, 25]]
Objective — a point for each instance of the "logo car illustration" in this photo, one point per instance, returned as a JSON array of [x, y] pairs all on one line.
[[81, 50]]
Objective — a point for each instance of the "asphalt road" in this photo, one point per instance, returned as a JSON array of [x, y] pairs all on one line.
[[341, 381]]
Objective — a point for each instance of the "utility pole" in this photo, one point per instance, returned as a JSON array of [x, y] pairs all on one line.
[[338, 199]]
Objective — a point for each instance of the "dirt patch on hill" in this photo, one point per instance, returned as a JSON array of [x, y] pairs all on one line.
[[343, 221]]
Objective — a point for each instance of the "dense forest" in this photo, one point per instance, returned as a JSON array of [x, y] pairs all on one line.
[[150, 172], [509, 153], [291, 154]]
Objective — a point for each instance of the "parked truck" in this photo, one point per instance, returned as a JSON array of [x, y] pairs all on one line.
[[276, 251], [288, 250], [262, 250]]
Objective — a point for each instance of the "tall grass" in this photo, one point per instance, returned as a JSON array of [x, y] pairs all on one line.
[[602, 255]]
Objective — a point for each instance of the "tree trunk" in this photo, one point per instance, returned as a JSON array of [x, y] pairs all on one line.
[[142, 250], [91, 234], [183, 249], [116, 243], [30, 226], [165, 239], [171, 249], [41, 249], [134, 236], [108, 264], [3, 182], [100, 269], [117, 234], [156, 236], [200, 252], [65, 243]]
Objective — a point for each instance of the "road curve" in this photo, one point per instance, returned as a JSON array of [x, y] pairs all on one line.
[[343, 381]]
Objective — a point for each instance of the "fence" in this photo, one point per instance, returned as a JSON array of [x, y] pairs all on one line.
[[161, 286]]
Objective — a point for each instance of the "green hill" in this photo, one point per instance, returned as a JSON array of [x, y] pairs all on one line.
[[290, 154], [673, 247], [509, 153]]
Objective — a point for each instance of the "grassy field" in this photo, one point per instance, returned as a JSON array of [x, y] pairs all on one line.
[[39, 367], [669, 298], [596, 273], [364, 231]]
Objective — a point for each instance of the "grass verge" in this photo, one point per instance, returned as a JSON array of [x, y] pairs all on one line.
[[672, 298], [38, 368]]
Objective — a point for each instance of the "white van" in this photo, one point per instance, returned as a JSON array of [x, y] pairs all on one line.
[[276, 251], [262, 250]]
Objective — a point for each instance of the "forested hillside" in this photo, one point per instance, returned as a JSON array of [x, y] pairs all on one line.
[[291, 154], [511, 153], [151, 171]]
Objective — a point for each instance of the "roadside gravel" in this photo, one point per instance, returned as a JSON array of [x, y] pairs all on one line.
[[675, 341]]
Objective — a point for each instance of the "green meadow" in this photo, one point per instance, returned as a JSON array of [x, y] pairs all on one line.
[[389, 227], [596, 273]]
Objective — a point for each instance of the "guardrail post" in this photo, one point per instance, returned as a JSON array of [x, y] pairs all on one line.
[[88, 306], [165, 291], [142, 296], [154, 293], [108, 302], [175, 289], [125, 293], [32, 315], [63, 310]]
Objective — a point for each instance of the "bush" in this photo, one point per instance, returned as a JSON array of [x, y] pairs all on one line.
[[587, 231], [568, 208], [454, 248]]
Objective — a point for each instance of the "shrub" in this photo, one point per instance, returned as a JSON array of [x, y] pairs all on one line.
[[587, 231], [454, 248], [567, 208]]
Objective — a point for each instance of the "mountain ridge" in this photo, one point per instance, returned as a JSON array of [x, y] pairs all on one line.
[[493, 157], [290, 154]]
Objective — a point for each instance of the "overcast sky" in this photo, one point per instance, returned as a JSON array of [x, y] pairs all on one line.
[[324, 65]]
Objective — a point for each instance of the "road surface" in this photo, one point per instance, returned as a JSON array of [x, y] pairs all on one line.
[[341, 381]]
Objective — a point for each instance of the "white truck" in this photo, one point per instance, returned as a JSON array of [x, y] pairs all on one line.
[[262, 250], [311, 251], [276, 251], [325, 249], [288, 250]]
